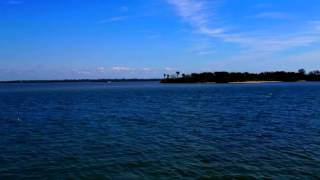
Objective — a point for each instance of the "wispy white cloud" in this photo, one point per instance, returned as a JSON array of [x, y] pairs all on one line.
[[114, 19], [146, 69], [309, 58], [120, 18], [194, 12], [81, 71], [141, 72], [169, 69], [121, 68], [102, 69]]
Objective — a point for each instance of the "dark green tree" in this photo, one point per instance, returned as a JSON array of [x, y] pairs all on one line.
[[178, 73], [302, 71]]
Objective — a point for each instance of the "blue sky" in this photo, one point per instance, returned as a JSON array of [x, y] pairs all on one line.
[[62, 39]]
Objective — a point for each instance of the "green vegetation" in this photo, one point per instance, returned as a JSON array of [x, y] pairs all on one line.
[[226, 77]]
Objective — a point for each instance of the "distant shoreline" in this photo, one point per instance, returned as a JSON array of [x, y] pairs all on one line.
[[239, 82], [254, 82], [242, 77], [78, 81]]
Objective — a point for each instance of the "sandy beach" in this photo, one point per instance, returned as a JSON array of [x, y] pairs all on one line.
[[254, 82]]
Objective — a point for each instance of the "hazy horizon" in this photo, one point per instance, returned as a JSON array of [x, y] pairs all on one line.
[[146, 38]]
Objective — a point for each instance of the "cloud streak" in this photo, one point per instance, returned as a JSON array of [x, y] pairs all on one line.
[[127, 69], [194, 12], [114, 19]]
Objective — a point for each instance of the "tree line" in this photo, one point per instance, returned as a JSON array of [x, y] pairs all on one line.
[[225, 77]]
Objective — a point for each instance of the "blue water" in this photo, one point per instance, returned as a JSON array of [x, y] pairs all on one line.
[[148, 130]]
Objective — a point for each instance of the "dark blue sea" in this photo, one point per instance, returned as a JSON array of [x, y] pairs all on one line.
[[148, 130]]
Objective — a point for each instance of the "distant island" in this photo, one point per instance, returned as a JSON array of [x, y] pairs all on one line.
[[79, 80], [205, 77], [242, 77]]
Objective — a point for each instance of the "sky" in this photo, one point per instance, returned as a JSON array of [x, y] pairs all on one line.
[[76, 39]]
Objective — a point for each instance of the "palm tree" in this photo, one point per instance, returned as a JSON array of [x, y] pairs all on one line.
[[164, 76], [178, 73], [302, 71]]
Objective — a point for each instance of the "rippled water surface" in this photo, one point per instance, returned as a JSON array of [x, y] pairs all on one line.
[[154, 131]]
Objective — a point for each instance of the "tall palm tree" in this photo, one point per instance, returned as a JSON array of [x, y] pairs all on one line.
[[178, 73]]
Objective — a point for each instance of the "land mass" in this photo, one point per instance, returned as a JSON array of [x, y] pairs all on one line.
[[79, 80], [242, 77]]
